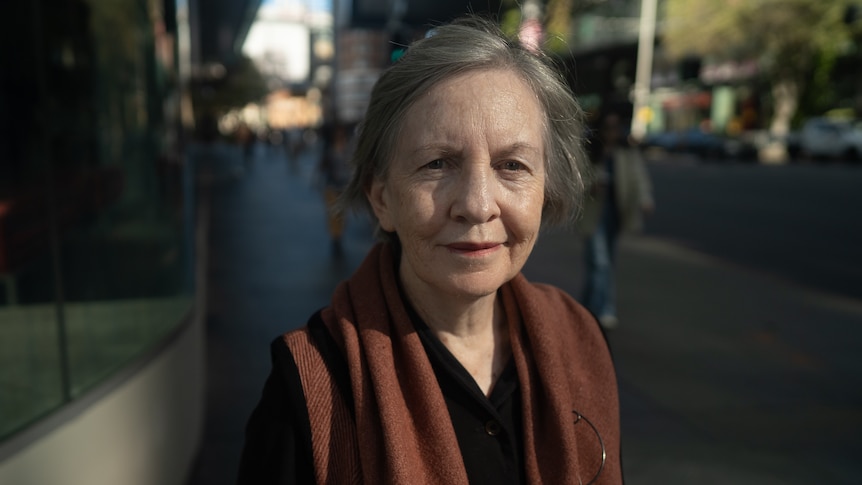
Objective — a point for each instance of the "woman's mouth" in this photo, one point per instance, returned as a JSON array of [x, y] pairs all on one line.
[[473, 249]]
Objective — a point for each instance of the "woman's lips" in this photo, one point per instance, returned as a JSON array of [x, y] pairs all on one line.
[[472, 248]]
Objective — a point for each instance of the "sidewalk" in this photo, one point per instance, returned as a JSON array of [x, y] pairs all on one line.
[[721, 378], [270, 269]]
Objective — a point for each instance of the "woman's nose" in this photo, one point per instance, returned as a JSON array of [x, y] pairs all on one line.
[[475, 198]]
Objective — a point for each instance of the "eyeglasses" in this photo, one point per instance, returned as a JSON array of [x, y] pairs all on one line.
[[581, 417]]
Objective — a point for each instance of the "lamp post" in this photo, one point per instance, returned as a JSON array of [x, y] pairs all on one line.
[[643, 73]]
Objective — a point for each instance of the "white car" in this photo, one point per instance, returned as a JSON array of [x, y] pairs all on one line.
[[823, 137]]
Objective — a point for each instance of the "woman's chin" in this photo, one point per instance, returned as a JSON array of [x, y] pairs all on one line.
[[473, 287]]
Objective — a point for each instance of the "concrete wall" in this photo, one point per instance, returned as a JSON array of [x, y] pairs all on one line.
[[145, 431]]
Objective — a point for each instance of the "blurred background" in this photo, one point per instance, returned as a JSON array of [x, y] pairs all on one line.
[[166, 168]]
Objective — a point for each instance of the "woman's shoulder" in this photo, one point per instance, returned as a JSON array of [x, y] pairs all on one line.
[[277, 448], [307, 348], [313, 352]]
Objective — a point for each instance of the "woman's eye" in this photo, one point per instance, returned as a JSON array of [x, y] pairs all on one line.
[[512, 166], [435, 165]]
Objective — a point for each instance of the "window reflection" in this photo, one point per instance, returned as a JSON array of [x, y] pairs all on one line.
[[95, 255]]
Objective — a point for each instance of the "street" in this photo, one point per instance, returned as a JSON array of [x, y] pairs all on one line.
[[799, 222]]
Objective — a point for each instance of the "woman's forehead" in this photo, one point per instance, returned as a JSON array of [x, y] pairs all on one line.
[[485, 101]]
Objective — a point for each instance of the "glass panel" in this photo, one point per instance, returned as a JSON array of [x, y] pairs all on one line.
[[30, 367], [30, 382], [95, 203], [125, 260], [104, 335]]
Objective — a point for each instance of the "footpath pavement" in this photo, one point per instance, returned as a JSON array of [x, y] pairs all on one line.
[[726, 376]]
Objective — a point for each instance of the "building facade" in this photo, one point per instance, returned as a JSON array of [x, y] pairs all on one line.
[[101, 254]]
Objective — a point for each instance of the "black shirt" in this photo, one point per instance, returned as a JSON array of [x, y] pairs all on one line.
[[488, 429]]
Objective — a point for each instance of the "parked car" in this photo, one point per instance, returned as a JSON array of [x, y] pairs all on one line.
[[828, 138], [760, 139], [700, 143]]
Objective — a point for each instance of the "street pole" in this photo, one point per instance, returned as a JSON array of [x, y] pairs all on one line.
[[643, 73]]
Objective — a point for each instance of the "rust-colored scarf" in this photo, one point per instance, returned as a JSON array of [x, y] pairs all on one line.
[[403, 433]]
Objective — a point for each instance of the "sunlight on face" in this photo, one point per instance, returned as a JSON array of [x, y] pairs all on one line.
[[465, 186]]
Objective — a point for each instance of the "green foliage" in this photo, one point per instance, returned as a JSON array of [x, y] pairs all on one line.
[[787, 36], [242, 84], [796, 43], [558, 15], [511, 21]]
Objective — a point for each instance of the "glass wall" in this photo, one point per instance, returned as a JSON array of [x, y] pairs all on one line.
[[95, 197]]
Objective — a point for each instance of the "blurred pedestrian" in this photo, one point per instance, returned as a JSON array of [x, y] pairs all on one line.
[[334, 174], [295, 142], [618, 197], [437, 362], [246, 139]]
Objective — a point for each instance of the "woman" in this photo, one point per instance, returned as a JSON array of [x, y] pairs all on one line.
[[621, 193], [437, 362]]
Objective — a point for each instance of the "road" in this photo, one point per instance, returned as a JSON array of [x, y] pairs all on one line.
[[801, 222]]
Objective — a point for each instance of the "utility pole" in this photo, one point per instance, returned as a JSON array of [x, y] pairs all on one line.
[[643, 73]]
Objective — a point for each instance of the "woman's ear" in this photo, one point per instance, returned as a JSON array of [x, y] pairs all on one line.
[[378, 197]]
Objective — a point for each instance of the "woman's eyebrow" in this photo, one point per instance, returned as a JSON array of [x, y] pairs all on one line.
[[443, 148], [519, 147]]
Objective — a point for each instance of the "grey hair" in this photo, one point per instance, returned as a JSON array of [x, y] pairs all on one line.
[[465, 45]]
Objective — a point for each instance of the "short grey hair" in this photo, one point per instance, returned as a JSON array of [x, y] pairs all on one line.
[[466, 45]]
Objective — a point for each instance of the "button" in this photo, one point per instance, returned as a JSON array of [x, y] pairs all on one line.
[[493, 428]]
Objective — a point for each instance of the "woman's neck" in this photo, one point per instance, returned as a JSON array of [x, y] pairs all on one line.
[[475, 332]]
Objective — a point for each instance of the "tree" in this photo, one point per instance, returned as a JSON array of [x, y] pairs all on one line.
[[242, 83], [795, 42]]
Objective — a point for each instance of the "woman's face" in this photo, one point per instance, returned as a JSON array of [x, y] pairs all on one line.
[[465, 187]]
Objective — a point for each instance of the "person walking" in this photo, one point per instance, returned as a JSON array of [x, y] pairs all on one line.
[[334, 173], [618, 198], [246, 139]]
